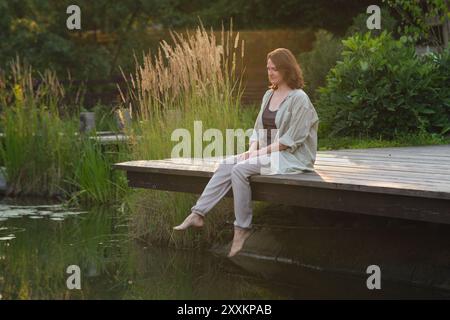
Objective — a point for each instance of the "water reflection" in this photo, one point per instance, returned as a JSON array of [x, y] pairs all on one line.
[[35, 253]]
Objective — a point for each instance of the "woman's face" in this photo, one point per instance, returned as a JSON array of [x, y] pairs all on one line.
[[274, 75]]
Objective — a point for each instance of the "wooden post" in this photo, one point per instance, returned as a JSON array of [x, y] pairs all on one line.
[[446, 32], [87, 122], [123, 118]]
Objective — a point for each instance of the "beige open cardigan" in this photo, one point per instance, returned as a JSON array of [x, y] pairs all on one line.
[[297, 124]]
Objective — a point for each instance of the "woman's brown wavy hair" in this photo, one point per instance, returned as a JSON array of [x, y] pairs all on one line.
[[288, 66]]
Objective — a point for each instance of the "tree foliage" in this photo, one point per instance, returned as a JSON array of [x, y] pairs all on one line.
[[112, 31], [417, 16]]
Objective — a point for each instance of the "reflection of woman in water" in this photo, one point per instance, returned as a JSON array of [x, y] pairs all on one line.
[[284, 136]]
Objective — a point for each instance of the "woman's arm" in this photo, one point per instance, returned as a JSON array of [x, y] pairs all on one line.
[[276, 146], [253, 146], [303, 117], [254, 152]]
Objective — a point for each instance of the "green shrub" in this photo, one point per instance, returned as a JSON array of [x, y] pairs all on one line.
[[327, 50], [359, 24], [381, 88], [317, 63], [440, 120]]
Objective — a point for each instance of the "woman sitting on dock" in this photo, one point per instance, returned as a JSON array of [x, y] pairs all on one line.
[[284, 141]]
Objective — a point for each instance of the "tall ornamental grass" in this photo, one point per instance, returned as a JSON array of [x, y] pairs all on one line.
[[41, 152], [194, 78], [37, 145]]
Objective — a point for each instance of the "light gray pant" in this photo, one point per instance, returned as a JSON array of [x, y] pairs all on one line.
[[232, 173]]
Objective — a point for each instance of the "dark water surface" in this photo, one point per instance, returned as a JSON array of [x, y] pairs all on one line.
[[38, 241]]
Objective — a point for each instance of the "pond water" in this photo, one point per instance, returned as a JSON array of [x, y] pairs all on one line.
[[39, 241]]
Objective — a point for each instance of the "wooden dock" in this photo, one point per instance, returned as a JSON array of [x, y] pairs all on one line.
[[403, 182], [102, 137], [108, 138]]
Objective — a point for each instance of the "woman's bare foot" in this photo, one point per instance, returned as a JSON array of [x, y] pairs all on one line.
[[240, 235], [192, 220]]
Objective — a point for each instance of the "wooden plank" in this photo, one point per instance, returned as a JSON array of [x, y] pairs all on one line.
[[408, 148], [110, 139], [441, 155], [104, 137], [439, 150], [383, 162], [381, 169], [352, 184], [410, 177], [373, 157], [442, 170], [159, 166], [374, 181]]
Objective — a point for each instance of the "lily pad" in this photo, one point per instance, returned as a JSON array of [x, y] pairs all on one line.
[[8, 237]]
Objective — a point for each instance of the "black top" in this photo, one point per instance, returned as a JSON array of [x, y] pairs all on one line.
[[268, 120]]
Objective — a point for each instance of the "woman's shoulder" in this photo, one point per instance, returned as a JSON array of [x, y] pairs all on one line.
[[301, 100], [299, 93], [265, 98], [267, 93]]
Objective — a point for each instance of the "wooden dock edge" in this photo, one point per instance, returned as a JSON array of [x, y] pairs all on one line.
[[355, 201]]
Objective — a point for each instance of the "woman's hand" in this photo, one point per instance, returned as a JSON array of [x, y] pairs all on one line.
[[253, 153], [243, 156], [248, 154]]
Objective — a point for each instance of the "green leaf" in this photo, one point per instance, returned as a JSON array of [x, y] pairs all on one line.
[[427, 111], [364, 65]]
